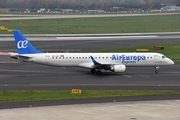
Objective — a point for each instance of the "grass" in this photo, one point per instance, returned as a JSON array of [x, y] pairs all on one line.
[[42, 95], [130, 24]]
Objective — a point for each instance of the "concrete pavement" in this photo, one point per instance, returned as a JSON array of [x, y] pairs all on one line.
[[144, 110]]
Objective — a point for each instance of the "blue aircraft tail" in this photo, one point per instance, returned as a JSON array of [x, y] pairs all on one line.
[[23, 45]]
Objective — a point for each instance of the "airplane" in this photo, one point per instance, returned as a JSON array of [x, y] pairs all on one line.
[[96, 62]]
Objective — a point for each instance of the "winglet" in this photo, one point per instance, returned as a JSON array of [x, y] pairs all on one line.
[[94, 61], [66, 51], [23, 45]]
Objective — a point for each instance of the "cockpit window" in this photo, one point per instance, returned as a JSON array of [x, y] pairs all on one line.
[[163, 57]]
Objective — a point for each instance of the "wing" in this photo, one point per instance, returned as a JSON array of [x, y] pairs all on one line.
[[95, 64], [104, 65], [108, 66]]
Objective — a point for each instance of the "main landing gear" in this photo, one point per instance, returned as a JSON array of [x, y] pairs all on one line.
[[157, 69], [94, 71]]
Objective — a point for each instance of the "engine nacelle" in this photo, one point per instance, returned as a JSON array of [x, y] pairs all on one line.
[[118, 68]]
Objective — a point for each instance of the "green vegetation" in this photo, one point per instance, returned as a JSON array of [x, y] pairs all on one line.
[[129, 24], [83, 4], [41, 95]]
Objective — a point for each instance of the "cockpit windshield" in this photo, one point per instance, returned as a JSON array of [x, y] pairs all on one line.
[[163, 57]]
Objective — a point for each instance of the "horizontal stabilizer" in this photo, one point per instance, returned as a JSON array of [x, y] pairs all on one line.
[[23, 57]]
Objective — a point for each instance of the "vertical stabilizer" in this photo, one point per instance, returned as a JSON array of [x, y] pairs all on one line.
[[23, 45]]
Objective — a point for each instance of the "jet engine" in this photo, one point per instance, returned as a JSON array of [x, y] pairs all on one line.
[[118, 68]]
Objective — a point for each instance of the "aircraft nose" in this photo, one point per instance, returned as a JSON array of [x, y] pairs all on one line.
[[171, 62]]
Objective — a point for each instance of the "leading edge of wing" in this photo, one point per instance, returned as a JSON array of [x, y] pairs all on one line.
[[93, 64], [94, 61]]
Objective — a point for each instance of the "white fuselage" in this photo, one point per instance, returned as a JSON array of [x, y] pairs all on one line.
[[84, 60], [116, 62]]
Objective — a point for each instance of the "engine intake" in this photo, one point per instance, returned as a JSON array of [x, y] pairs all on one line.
[[118, 68]]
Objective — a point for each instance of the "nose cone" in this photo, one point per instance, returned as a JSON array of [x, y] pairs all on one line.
[[171, 62]]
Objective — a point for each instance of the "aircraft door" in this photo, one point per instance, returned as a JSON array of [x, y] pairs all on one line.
[[156, 58], [47, 58]]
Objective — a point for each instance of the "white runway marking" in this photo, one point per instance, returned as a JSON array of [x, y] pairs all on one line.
[[103, 37], [143, 75]]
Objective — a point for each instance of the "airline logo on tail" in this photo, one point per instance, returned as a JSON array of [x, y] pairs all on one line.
[[22, 44]]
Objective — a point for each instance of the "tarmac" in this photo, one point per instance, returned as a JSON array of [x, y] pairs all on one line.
[[144, 110]]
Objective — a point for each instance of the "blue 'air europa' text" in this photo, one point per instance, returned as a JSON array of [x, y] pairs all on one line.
[[128, 58]]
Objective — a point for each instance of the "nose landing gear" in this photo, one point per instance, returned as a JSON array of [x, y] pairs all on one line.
[[157, 69]]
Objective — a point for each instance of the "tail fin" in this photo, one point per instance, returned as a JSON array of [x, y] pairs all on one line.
[[23, 45]]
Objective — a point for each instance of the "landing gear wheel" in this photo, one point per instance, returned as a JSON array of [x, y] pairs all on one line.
[[93, 71], [98, 72], [156, 71]]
